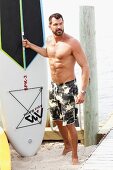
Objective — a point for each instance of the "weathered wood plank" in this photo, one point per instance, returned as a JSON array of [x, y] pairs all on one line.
[[102, 157], [106, 126]]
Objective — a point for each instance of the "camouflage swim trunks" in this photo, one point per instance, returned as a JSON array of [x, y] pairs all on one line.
[[62, 102]]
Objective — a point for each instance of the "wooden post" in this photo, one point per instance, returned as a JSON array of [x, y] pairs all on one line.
[[90, 108]]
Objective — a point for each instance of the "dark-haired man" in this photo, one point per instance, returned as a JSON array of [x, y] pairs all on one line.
[[63, 51]]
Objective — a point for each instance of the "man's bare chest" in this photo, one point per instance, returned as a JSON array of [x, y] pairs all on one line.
[[58, 50]]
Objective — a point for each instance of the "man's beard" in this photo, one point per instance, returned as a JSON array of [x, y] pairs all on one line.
[[58, 32]]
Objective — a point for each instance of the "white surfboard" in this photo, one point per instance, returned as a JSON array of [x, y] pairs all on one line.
[[23, 78]]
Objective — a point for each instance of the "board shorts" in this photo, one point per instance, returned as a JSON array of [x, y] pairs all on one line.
[[62, 104]]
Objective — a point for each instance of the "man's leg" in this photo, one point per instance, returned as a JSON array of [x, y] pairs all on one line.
[[74, 142], [64, 132]]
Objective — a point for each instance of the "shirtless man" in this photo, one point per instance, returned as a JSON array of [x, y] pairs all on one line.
[[63, 52]]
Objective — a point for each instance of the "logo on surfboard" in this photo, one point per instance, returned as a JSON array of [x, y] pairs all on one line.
[[31, 111], [20, 17]]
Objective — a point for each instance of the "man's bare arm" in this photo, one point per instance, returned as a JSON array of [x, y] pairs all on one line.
[[42, 51], [82, 61]]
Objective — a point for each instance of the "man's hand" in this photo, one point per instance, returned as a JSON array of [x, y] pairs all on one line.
[[26, 43], [80, 98]]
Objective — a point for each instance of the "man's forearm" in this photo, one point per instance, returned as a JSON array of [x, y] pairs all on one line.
[[85, 78], [42, 51]]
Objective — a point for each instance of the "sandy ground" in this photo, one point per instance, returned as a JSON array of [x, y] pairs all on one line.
[[49, 157]]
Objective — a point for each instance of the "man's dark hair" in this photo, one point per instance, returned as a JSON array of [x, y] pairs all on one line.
[[56, 16]]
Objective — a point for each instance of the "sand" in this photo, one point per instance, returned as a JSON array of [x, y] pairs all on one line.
[[49, 157]]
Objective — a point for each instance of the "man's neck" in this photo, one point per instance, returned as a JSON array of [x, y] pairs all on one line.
[[59, 38]]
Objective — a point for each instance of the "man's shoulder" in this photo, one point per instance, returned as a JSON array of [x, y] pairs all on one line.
[[74, 43], [72, 39]]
